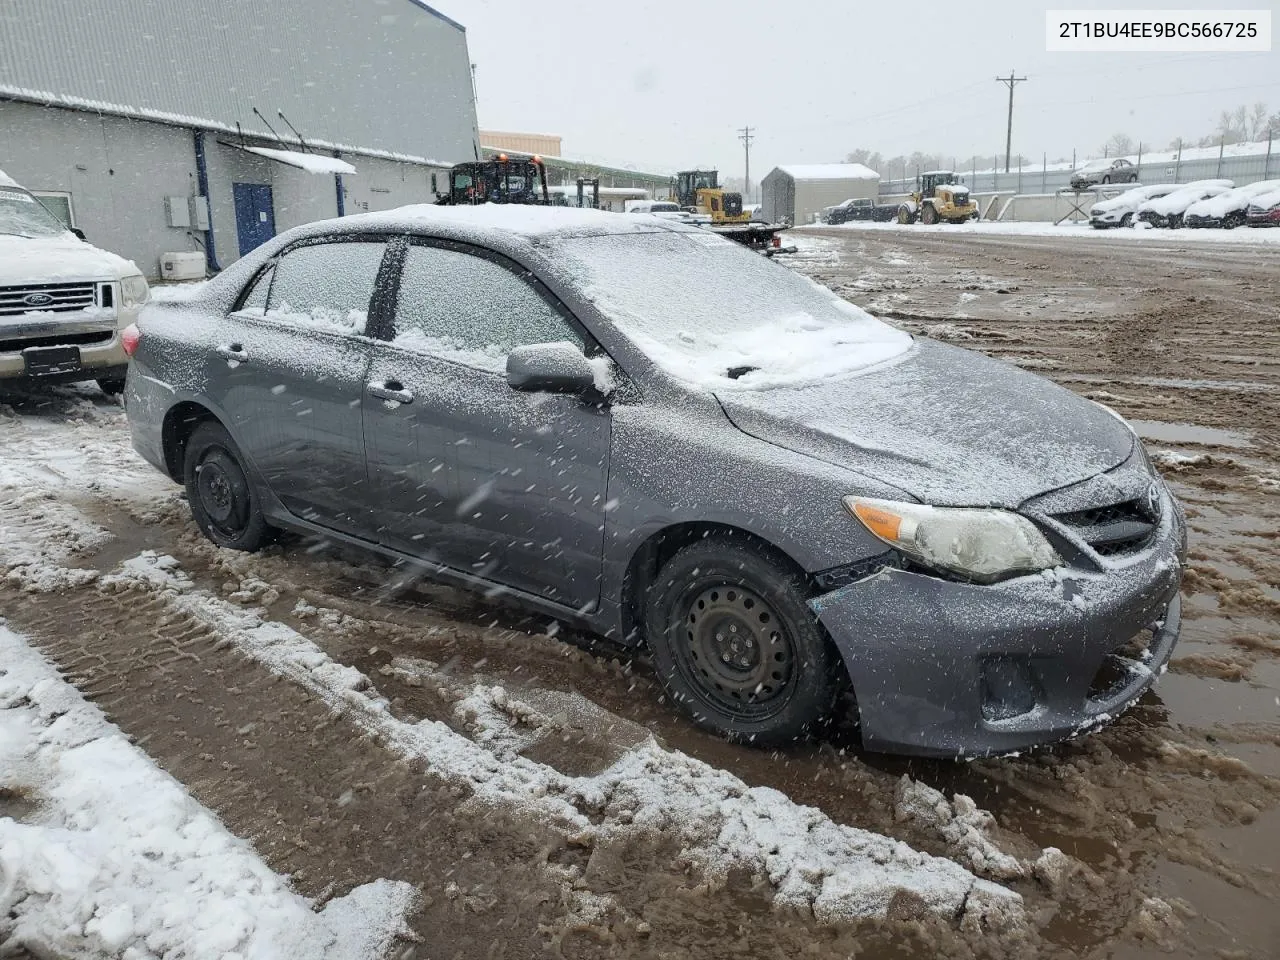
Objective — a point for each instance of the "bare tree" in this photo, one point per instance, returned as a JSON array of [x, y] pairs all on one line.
[[1120, 145], [1258, 122], [868, 158]]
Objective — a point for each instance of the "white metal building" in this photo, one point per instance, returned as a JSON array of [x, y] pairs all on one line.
[[190, 125], [797, 192]]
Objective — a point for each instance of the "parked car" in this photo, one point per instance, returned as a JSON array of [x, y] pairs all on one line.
[[1103, 171], [63, 302], [862, 209], [656, 434], [1168, 211], [1118, 211], [1264, 211], [1227, 210]]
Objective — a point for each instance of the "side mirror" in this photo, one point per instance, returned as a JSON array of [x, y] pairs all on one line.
[[79, 233], [558, 367]]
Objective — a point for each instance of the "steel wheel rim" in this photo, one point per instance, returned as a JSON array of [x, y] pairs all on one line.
[[733, 649], [223, 493]]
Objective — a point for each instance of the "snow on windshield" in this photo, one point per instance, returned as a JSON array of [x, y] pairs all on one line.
[[21, 215], [719, 316]]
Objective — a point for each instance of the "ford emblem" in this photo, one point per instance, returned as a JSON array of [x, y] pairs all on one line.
[[37, 300]]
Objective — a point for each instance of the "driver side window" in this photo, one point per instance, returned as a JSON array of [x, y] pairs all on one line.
[[472, 310]]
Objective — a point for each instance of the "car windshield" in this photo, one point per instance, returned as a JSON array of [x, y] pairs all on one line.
[[23, 215], [719, 316], [665, 208]]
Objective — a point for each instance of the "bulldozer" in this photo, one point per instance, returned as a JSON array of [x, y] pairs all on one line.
[[500, 179], [699, 192], [938, 198]]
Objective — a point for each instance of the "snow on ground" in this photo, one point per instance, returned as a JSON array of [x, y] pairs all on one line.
[[842, 873], [1244, 235], [116, 859]]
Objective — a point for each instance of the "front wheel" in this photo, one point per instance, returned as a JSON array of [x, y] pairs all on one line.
[[223, 502], [111, 386], [1133, 178], [1233, 220], [1106, 180], [906, 215], [1126, 220], [736, 646], [929, 215]]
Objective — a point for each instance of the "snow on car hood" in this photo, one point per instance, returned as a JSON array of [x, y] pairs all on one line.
[[948, 426], [52, 259], [1266, 201]]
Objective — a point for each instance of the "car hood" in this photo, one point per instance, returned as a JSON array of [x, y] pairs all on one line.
[[57, 259], [948, 426]]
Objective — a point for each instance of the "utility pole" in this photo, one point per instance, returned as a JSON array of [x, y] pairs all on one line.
[[1010, 81], [746, 136]]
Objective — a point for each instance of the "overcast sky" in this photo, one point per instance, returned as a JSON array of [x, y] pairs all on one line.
[[667, 83]]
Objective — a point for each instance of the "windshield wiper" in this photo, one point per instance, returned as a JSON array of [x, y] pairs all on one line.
[[733, 373]]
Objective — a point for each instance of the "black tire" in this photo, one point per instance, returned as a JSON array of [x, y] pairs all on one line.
[[929, 215], [1107, 179], [1233, 220], [223, 501], [736, 646], [111, 386], [1175, 221], [1126, 220], [1133, 178], [906, 215]]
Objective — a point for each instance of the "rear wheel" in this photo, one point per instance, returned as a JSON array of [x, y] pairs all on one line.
[[1133, 178], [111, 386], [223, 502], [929, 215], [737, 647]]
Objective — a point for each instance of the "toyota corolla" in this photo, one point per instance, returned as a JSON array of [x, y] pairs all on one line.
[[640, 428]]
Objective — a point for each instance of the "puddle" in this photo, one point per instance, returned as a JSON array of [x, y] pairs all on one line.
[[1175, 383], [1189, 433]]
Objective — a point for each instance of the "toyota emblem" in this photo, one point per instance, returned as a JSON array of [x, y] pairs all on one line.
[[1153, 500], [37, 300]]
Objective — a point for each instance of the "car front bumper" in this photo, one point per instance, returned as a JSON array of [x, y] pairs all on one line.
[[95, 335], [949, 669]]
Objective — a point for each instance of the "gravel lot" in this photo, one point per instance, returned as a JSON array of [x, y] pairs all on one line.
[[544, 800]]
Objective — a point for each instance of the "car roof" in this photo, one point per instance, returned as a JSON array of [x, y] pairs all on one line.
[[487, 221]]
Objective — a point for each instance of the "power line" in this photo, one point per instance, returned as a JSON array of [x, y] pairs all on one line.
[[746, 136], [1010, 81]]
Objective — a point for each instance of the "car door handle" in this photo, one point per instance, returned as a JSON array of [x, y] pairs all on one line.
[[391, 390], [233, 351]]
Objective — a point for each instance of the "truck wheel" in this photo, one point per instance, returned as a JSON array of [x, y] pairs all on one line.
[[929, 215], [905, 215], [736, 646]]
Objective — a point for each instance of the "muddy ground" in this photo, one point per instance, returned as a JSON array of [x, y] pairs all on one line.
[[1171, 815]]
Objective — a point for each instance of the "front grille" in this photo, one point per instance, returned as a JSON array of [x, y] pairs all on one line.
[[65, 340], [1115, 529], [62, 298]]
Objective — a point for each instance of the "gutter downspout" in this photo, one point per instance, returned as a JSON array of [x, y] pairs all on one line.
[[337, 182], [202, 180]]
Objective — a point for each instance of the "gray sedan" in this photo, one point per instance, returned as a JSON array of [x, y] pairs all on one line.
[[653, 433]]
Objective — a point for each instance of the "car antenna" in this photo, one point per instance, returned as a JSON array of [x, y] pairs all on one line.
[[305, 146], [279, 139]]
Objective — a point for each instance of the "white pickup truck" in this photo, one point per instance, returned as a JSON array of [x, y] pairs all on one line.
[[63, 302]]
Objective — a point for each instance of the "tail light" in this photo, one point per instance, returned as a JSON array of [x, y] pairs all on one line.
[[130, 337], [777, 240]]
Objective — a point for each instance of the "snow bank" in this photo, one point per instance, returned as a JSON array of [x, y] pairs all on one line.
[[839, 872], [1044, 229], [119, 860]]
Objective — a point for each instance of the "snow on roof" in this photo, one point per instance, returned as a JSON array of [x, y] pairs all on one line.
[[310, 162], [8, 181], [829, 171]]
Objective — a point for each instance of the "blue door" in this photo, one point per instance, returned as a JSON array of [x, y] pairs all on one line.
[[255, 215]]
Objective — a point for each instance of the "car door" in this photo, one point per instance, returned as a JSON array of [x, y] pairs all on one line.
[[289, 370], [465, 471]]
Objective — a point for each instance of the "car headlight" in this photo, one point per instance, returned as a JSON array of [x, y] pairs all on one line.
[[980, 544], [134, 290]]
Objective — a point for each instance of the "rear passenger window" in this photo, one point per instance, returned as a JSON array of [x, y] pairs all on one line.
[[326, 286], [472, 310]]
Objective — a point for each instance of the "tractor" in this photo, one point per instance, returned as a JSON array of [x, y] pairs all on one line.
[[938, 197], [497, 180]]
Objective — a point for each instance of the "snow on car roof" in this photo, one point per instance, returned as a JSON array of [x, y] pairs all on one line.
[[829, 171], [8, 181], [526, 220]]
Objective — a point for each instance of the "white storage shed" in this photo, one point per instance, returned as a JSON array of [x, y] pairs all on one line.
[[798, 192]]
